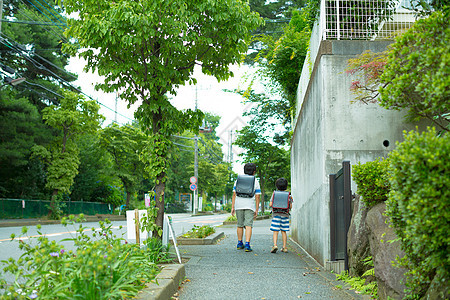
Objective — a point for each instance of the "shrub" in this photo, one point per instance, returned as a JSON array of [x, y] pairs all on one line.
[[227, 207], [372, 181], [102, 266], [200, 232], [418, 207], [231, 219]]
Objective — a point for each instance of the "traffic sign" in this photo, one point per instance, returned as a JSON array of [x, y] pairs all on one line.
[[193, 187], [193, 179]]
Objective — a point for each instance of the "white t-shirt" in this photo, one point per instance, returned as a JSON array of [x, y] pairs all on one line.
[[247, 203]]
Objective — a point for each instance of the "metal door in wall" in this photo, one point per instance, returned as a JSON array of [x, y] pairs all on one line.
[[340, 212]]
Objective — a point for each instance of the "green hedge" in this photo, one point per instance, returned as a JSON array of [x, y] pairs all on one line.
[[419, 207], [372, 181]]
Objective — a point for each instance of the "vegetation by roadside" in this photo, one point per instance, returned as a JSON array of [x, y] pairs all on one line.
[[414, 182], [199, 232], [103, 266], [364, 284]]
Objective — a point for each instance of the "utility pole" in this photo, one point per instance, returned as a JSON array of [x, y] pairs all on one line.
[[196, 162], [115, 106], [230, 149]]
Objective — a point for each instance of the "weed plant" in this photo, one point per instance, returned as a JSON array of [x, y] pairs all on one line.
[[360, 284], [103, 266], [231, 219], [200, 232]]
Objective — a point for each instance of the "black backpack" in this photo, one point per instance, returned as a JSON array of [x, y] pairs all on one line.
[[280, 202], [245, 186]]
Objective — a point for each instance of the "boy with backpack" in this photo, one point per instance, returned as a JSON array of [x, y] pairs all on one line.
[[281, 203], [245, 204]]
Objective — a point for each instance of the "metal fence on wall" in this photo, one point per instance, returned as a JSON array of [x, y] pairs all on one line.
[[18, 208], [364, 20]]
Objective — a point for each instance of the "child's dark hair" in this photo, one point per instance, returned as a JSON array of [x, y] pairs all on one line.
[[249, 168], [281, 184]]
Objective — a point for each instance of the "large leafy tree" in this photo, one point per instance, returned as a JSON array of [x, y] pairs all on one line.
[[282, 59], [276, 15], [72, 118], [417, 72], [413, 74], [147, 48], [95, 171], [125, 144]]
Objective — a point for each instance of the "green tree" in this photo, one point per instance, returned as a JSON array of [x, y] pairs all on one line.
[[280, 60], [413, 74], [276, 15], [94, 172], [125, 144], [72, 118], [417, 72], [31, 44], [21, 127], [147, 49]]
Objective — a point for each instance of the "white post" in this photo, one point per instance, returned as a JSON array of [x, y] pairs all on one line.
[[323, 20]]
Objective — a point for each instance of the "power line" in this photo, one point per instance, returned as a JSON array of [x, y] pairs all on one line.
[[28, 22], [45, 14], [63, 18], [51, 29], [38, 65]]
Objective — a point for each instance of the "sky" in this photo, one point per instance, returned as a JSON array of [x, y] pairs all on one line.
[[208, 92]]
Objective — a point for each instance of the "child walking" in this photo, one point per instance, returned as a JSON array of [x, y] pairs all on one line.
[[280, 217], [246, 208]]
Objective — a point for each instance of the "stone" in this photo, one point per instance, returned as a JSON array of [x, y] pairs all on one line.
[[390, 279], [439, 289], [358, 247]]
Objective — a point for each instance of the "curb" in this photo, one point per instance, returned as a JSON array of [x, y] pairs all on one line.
[[229, 222], [209, 240], [166, 283]]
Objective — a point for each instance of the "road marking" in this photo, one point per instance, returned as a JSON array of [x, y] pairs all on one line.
[[55, 234]]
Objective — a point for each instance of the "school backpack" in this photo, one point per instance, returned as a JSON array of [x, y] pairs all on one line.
[[245, 186], [280, 202]]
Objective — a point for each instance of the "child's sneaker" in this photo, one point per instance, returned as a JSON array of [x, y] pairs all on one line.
[[247, 247], [274, 249], [240, 245], [284, 250]]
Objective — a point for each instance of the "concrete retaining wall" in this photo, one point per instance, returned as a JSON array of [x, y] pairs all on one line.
[[329, 129]]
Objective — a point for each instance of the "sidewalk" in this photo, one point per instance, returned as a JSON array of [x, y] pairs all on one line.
[[222, 272]]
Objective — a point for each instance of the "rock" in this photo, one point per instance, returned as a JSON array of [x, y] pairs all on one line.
[[439, 289], [358, 247], [390, 279]]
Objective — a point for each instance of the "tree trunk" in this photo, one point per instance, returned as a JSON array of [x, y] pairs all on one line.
[[215, 202], [53, 200], [128, 200], [159, 195]]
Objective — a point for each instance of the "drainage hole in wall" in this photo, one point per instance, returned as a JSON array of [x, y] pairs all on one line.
[[386, 143]]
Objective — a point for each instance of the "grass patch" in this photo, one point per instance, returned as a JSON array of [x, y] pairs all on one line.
[[200, 232], [231, 219]]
